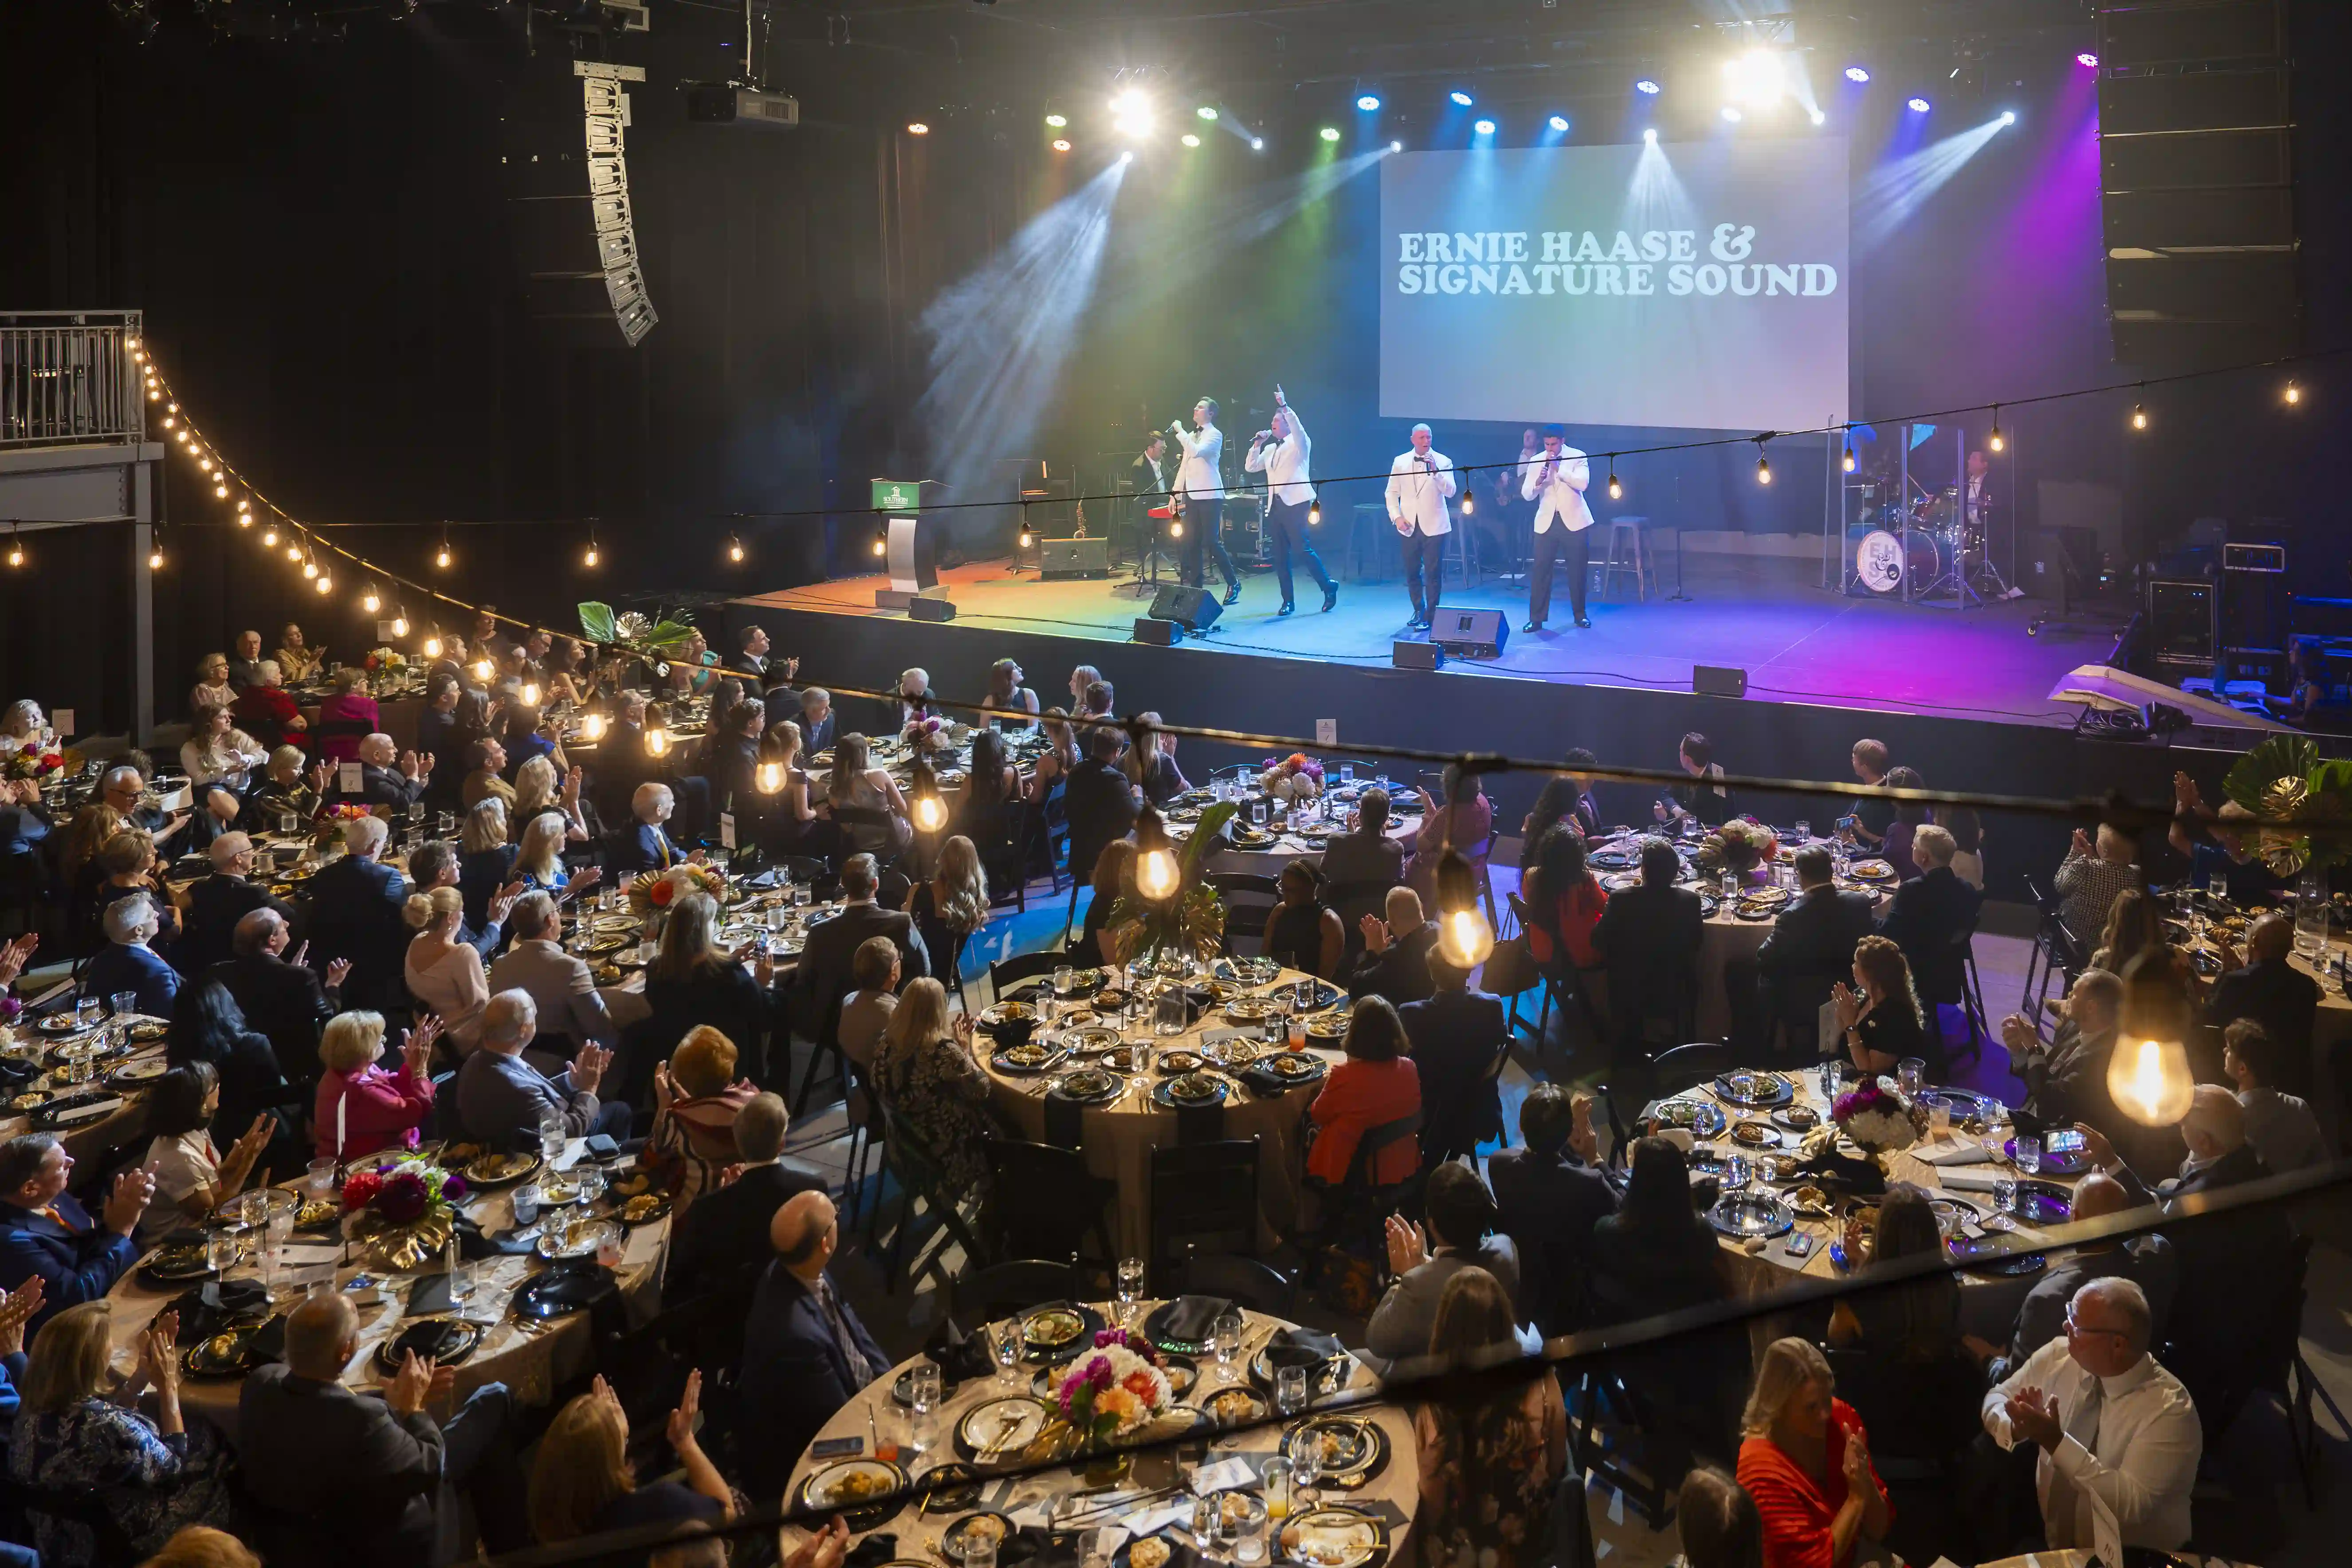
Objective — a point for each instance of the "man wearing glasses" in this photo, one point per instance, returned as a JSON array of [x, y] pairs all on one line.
[[124, 789], [2115, 1430]]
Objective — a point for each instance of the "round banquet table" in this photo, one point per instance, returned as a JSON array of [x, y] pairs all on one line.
[[529, 1360], [874, 1418], [91, 1137], [1117, 1138]]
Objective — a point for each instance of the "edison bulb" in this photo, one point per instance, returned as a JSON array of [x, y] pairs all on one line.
[[1763, 470], [1469, 503], [657, 741], [1176, 528], [483, 670], [293, 552], [770, 777], [372, 602], [432, 647], [1848, 464], [16, 555], [442, 560], [155, 559], [880, 548], [1027, 539], [1616, 490], [591, 728], [531, 694], [930, 813], [2150, 1081], [1314, 513], [400, 626], [1465, 937], [1155, 874], [326, 583], [220, 492], [310, 569], [734, 549], [270, 536], [591, 555]]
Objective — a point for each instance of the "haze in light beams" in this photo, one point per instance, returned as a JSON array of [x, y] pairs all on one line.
[[1894, 192]]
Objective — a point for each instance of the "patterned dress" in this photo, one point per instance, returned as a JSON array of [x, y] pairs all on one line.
[[1488, 1479], [151, 1484], [942, 1095]]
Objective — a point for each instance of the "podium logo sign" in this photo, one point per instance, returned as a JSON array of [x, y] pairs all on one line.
[[897, 495]]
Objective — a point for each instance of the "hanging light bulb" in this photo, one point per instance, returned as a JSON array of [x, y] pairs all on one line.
[[1028, 534], [155, 552], [400, 622], [1465, 935], [433, 647], [269, 538], [1763, 466], [592, 727], [483, 670], [657, 741], [1156, 877], [1314, 513], [768, 777], [2148, 1075], [2293, 393], [734, 548], [1847, 461], [591, 559], [1616, 490], [326, 583], [441, 559], [2139, 416], [16, 549], [1175, 528], [311, 567], [1469, 503], [169, 422], [929, 811], [371, 601], [294, 553], [1994, 441], [220, 492], [881, 544], [531, 693]]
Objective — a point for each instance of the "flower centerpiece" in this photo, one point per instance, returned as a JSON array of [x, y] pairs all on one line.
[[1744, 847], [385, 658], [1168, 908], [405, 1212], [928, 733], [31, 759], [1875, 1117], [1118, 1391], [654, 893], [1295, 777]]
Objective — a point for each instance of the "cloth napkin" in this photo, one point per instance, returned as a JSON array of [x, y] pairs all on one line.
[[961, 1357], [1301, 1347], [874, 1550], [1959, 1151], [1190, 1318], [1064, 1121], [1964, 1180]]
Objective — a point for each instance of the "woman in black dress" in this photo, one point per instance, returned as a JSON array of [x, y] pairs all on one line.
[[1114, 875], [1881, 1022], [1303, 933]]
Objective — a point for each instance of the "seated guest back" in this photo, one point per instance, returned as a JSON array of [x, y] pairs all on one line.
[[2111, 1424], [2275, 993], [1302, 932], [1809, 952], [560, 985], [1906, 818], [151, 1475], [485, 859], [364, 1107], [582, 1482], [1931, 918], [1705, 800], [697, 1097], [208, 1027], [1459, 1037], [47, 1234], [2280, 1128], [218, 902], [1153, 769], [1804, 1458], [127, 963], [368, 1476], [1457, 1233], [724, 1238], [932, 1081], [1376, 1084], [2066, 1077], [694, 980], [1099, 802], [950, 905], [865, 1014], [355, 914], [2147, 1260], [1922, 1382], [1113, 878], [284, 1001], [268, 711], [858, 786], [1490, 1462], [805, 1354], [191, 1176], [1657, 1254], [2135, 924], [1564, 903], [1395, 961], [1549, 1196], [1717, 1521], [1365, 856], [443, 973], [2088, 880], [501, 1098], [1463, 820], [1648, 937], [1879, 1015], [823, 977]]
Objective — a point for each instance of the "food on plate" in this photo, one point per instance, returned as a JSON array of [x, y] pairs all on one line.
[[1802, 1116], [858, 1485], [1052, 1326], [1028, 1055], [982, 1528], [608, 975], [317, 1211], [1149, 1552], [1234, 1405], [639, 1209]]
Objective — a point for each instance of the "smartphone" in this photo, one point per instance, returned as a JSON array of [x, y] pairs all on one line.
[[836, 1448], [601, 1147], [1799, 1246], [2067, 1143]]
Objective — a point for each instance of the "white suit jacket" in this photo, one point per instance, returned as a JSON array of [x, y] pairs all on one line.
[[1197, 475], [1564, 497], [1284, 464], [1419, 497]]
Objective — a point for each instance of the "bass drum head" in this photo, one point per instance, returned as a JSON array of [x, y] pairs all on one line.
[[1882, 559]]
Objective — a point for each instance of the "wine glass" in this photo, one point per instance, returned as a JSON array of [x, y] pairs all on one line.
[[1226, 1335], [1131, 1287], [1306, 1472]]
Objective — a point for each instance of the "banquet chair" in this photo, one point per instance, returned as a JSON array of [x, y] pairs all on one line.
[[849, 816], [908, 1158], [865, 1131], [84, 1506], [1202, 1194], [1249, 900], [1355, 1210], [1561, 985], [1047, 1202], [2056, 951], [1245, 1281], [1685, 1067], [1003, 1289], [1006, 973]]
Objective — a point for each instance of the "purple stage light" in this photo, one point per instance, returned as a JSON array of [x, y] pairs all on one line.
[[2088, 59], [1855, 73], [1919, 106]]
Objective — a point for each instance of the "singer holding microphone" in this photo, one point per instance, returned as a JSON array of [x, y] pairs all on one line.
[[1555, 480], [1201, 490], [1280, 453], [1420, 482]]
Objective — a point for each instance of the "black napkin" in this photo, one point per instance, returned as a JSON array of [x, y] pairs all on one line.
[[1064, 1119], [1040, 1548], [1301, 1347], [961, 1356], [1190, 1318], [474, 1243], [1012, 1032], [433, 1338], [1200, 1123], [213, 1306], [875, 1549]]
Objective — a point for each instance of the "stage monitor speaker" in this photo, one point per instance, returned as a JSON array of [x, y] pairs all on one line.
[[2061, 563], [1157, 632], [1416, 654], [1470, 633], [920, 608], [2257, 601], [1066, 558], [2180, 624], [1194, 609], [1718, 681]]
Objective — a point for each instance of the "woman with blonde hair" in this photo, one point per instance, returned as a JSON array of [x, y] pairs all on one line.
[[76, 1432], [858, 785], [86, 834], [582, 1482], [295, 657], [1805, 1459], [539, 858], [218, 752], [797, 818], [1880, 1021], [484, 858], [361, 1108], [443, 972], [950, 907], [536, 791], [1060, 755], [697, 1097], [1490, 1463], [929, 1080]]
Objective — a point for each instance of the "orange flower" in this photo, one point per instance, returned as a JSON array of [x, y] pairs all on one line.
[[1139, 1385], [663, 891]]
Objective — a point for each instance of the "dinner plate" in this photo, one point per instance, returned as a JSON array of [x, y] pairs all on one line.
[[1290, 1067], [1167, 1091], [850, 1484], [1090, 1085], [1995, 1261], [57, 1025], [1233, 1055], [447, 1341], [1248, 970], [233, 1353], [2042, 1202], [1811, 1203], [147, 1031], [997, 1427], [1618, 881], [1183, 1061], [1964, 1102], [997, 1532], [1051, 1332], [1157, 1549], [645, 1208], [1083, 983], [1333, 1538], [1027, 1057], [1704, 1119], [952, 1488], [1872, 870], [1008, 1013], [178, 1264], [1324, 1377], [1236, 1405], [1351, 1446], [1754, 1088], [75, 1111], [1754, 1135], [1329, 1026], [1250, 1009], [577, 1238], [501, 1170], [1746, 1214], [139, 1072], [1796, 1119]]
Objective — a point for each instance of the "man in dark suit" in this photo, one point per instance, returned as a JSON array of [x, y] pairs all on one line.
[[1395, 961], [343, 1474], [282, 1000], [388, 776], [1458, 1037], [2283, 999], [780, 699], [355, 906], [1930, 920], [1649, 936], [1098, 799], [725, 1234], [1365, 855], [816, 721], [1810, 951], [47, 1234], [826, 976], [805, 1354], [1551, 1194], [2147, 1260], [218, 902], [437, 736], [646, 845]]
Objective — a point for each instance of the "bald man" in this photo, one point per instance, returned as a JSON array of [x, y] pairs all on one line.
[[283, 999], [805, 1354], [2275, 993], [2147, 1260], [364, 1475]]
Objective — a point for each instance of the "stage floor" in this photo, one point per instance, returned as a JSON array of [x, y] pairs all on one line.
[[1797, 642]]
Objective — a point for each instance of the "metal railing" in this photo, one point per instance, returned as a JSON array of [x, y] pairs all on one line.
[[67, 378]]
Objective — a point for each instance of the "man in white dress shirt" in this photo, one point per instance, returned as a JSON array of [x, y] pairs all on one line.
[[1421, 483], [2114, 1428], [1280, 453], [1203, 488], [1554, 480]]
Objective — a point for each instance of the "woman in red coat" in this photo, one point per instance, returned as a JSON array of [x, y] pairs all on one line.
[[1377, 1084], [1805, 1459]]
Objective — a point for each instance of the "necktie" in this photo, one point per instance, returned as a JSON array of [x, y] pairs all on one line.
[[861, 1372], [62, 1223], [2083, 1425]]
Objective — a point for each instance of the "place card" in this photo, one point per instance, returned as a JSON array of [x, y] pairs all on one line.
[[1157, 1518], [1225, 1475]]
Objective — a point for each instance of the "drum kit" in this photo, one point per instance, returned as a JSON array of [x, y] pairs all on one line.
[[1925, 549]]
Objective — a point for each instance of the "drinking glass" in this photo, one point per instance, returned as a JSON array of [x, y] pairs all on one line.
[[1910, 1075], [322, 1177], [1939, 1120], [1005, 1340], [526, 1204], [2219, 886], [252, 1208], [220, 1251], [2311, 919], [1169, 1014], [1204, 1525], [776, 916], [1347, 773], [1245, 1518], [978, 1553], [1227, 1334], [123, 1004], [1291, 1389], [591, 1177], [552, 1135], [1736, 1173], [1276, 1487], [924, 1388], [2028, 1154], [2004, 1193], [1730, 887], [1804, 831], [1131, 1287], [85, 1011], [1307, 1471], [1066, 979]]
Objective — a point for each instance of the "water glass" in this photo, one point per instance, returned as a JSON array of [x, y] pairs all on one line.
[[1291, 1389], [526, 1204], [1168, 1013], [1245, 1524], [1204, 1525], [1307, 1469], [1939, 1120], [1736, 1173], [322, 1177], [85, 1012], [552, 1134], [1347, 773], [1066, 979], [1804, 834], [253, 1208], [1130, 1286], [1275, 1486], [2311, 920], [591, 1177], [1730, 889], [1910, 1076], [123, 1004], [979, 1553], [2219, 886], [1768, 1167], [2028, 1154], [220, 1251], [1005, 1340], [924, 1387], [1227, 1335], [777, 914], [2004, 1193]]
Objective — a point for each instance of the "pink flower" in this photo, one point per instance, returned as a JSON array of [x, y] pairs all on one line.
[[405, 1198]]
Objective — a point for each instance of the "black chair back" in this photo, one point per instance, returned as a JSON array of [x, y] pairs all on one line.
[[1245, 1281], [1203, 1196], [1687, 1065], [1010, 971], [1047, 1202], [1249, 900], [1369, 1147], [1002, 1290]]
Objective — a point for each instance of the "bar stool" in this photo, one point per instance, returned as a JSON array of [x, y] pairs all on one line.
[[1626, 554]]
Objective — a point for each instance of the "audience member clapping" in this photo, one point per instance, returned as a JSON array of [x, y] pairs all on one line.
[[191, 1176], [584, 1484], [931, 1081], [220, 752], [723, 1239], [501, 1098], [443, 972], [2147, 1260], [1879, 1016], [2280, 1128], [2268, 990], [1804, 1459], [364, 1107], [2091, 876], [1394, 965], [1457, 1234], [1549, 1196]]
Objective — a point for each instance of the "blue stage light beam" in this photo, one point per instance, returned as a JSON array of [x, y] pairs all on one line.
[[1893, 192], [1001, 334]]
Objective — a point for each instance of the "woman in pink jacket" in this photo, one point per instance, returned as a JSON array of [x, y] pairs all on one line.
[[363, 1109]]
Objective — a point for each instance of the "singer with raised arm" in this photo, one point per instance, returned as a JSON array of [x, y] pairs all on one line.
[[1201, 490], [1421, 483], [1280, 453], [1554, 480]]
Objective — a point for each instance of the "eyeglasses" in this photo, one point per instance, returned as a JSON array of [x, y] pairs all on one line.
[[2075, 1328]]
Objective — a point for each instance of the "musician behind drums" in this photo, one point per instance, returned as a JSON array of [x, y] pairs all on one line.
[[1555, 480], [1281, 453], [1420, 482], [1201, 490], [1981, 502]]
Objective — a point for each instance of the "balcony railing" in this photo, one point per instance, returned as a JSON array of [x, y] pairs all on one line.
[[67, 378]]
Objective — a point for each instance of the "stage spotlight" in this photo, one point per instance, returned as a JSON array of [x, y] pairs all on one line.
[[2293, 393], [2087, 60], [2009, 117], [1817, 117], [1061, 145], [1189, 140], [1058, 120], [1368, 103], [1856, 74], [1258, 143], [917, 128], [1557, 123], [1205, 112], [1483, 128], [1646, 86], [1329, 133], [1396, 146], [1731, 113], [1919, 106], [1461, 97], [1650, 134], [1755, 78]]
